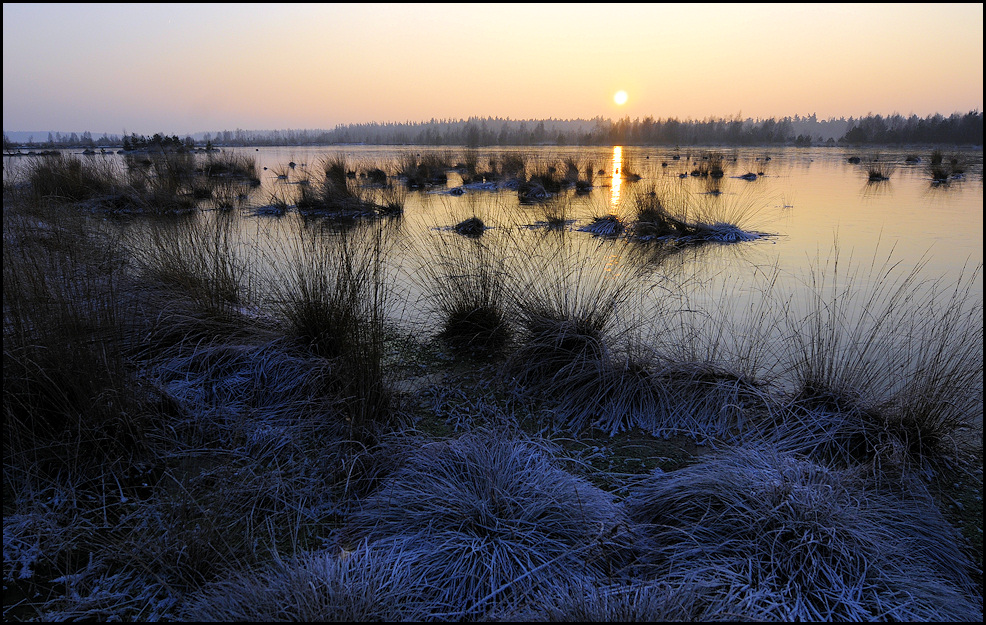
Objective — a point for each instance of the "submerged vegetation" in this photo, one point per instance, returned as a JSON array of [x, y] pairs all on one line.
[[301, 411]]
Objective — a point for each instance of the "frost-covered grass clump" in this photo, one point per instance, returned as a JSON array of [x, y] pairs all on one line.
[[488, 519], [785, 539]]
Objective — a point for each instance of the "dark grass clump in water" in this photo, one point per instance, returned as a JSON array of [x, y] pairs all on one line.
[[339, 196], [777, 538], [654, 220], [711, 165], [942, 170], [174, 182], [334, 302], [584, 183], [165, 187], [376, 176], [879, 172], [605, 226], [488, 519], [230, 165], [672, 214], [466, 281], [96, 185], [393, 199], [887, 366], [429, 169], [937, 167], [555, 214], [473, 227], [68, 179], [629, 169]]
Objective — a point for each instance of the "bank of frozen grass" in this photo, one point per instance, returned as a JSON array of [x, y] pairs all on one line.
[[236, 458], [466, 528]]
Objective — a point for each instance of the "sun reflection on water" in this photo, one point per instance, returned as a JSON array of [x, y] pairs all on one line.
[[614, 196]]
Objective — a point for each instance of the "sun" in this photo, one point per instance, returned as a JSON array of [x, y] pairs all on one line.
[[620, 97]]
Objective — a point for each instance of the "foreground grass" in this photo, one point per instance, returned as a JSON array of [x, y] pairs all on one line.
[[186, 439]]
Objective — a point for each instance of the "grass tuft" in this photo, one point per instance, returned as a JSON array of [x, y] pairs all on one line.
[[490, 519], [467, 282], [335, 302], [785, 539], [847, 404]]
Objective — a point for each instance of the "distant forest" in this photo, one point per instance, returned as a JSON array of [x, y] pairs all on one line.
[[956, 129]]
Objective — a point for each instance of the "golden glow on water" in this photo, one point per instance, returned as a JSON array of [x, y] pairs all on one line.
[[613, 266], [614, 196]]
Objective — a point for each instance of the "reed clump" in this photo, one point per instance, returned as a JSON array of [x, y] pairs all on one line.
[[339, 196], [850, 406], [467, 283], [196, 259], [569, 313], [71, 397], [942, 169], [334, 300], [879, 172], [419, 171], [67, 179], [541, 184], [555, 214], [655, 220], [711, 165], [673, 214], [228, 164]]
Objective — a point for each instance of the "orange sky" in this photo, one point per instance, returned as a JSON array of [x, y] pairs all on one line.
[[189, 68]]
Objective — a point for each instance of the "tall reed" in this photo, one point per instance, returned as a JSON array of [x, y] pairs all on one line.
[[70, 394]]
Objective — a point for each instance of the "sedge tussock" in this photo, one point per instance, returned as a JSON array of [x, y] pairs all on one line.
[[787, 539], [885, 364], [491, 518]]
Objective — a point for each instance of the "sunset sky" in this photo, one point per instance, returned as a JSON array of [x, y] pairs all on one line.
[[190, 68]]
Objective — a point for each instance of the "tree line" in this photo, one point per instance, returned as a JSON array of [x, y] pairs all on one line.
[[956, 129]]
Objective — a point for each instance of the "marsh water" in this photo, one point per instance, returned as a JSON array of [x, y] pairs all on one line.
[[808, 202]]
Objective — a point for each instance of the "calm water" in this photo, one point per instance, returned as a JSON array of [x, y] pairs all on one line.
[[808, 199]]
